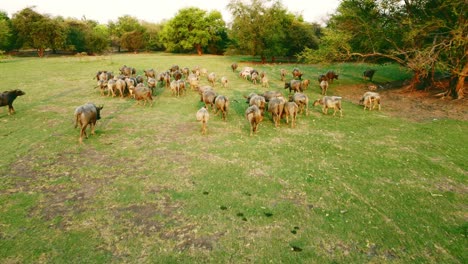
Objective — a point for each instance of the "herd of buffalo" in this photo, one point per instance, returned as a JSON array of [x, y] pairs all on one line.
[[128, 84]]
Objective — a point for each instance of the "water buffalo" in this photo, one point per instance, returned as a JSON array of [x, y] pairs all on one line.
[[7, 98]]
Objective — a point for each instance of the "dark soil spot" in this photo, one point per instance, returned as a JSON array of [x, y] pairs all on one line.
[[150, 217], [294, 230], [296, 249]]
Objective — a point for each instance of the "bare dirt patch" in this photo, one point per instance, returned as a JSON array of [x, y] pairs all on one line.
[[420, 105], [65, 190]]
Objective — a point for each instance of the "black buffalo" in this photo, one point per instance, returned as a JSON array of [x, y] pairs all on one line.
[[368, 74], [7, 98]]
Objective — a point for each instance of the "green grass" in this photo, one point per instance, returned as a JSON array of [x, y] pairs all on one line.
[[148, 187]]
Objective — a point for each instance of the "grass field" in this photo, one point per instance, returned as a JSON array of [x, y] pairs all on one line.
[[149, 188]]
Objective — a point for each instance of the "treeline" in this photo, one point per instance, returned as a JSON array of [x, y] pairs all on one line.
[[257, 30]]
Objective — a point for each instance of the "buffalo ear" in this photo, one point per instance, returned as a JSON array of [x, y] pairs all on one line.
[[101, 107]]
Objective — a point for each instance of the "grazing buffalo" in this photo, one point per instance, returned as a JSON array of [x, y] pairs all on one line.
[[297, 73], [369, 73], [127, 71], [322, 77], [293, 85], [234, 66], [331, 75], [85, 115]]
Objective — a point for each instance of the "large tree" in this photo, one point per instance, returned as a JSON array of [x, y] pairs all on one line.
[[267, 29], [246, 26], [57, 33], [302, 35], [122, 31], [423, 35], [76, 35], [86, 36], [97, 40], [38, 31], [192, 29], [133, 40], [152, 32]]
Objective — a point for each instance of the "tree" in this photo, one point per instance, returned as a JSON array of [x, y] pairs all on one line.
[[302, 36], [38, 31], [423, 35], [192, 29], [76, 35], [86, 36], [218, 40], [124, 26], [57, 33], [22, 22], [97, 41], [133, 41], [6, 32], [247, 26], [334, 46], [219, 44], [267, 29], [151, 36]]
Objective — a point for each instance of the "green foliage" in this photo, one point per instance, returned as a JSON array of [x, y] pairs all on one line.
[[301, 36], [98, 39], [87, 36], [128, 24], [423, 35], [21, 22], [123, 30], [365, 22], [333, 47], [152, 32], [39, 31], [267, 29], [132, 41], [6, 32], [247, 26], [192, 29], [76, 36], [57, 36]]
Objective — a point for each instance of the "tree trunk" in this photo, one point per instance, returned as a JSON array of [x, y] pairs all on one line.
[[199, 49], [415, 81], [460, 88], [451, 91], [40, 52], [263, 59], [273, 59]]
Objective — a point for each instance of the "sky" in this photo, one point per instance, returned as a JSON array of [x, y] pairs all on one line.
[[154, 11]]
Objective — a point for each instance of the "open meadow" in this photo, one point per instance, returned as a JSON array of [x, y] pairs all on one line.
[[148, 187]]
